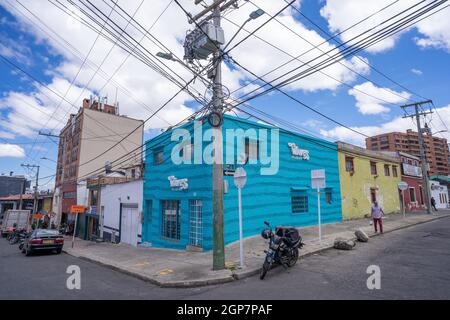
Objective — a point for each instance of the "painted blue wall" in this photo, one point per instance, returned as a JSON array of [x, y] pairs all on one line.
[[265, 197], [157, 188]]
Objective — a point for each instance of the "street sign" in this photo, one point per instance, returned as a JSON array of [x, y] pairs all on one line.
[[402, 185], [317, 182], [229, 170], [77, 209], [38, 216], [318, 179], [240, 177]]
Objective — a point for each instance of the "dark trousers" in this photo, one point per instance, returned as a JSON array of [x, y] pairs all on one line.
[[434, 207], [379, 222]]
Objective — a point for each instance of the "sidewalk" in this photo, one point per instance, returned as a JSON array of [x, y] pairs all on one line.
[[171, 268]]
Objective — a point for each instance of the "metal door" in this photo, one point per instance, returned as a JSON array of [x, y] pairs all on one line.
[[196, 223], [129, 224]]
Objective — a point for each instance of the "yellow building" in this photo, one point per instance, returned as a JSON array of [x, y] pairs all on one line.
[[367, 176]]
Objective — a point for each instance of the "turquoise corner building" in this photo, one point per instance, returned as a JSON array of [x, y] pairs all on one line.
[[178, 197]]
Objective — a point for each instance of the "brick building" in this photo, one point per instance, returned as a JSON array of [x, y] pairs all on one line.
[[94, 130], [436, 149]]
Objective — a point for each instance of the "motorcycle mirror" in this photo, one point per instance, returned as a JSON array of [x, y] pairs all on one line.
[[266, 223]]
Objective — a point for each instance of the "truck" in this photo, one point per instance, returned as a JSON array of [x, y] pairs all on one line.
[[15, 219]]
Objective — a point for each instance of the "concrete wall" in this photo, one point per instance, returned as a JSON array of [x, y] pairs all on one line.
[[111, 196], [105, 130], [356, 188]]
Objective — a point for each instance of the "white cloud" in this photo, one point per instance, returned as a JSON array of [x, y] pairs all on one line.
[[369, 104], [6, 135], [398, 124], [342, 14], [11, 150], [145, 84], [417, 71]]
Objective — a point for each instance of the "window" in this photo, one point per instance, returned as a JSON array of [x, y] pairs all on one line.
[[251, 149], [196, 223], [187, 152], [412, 194], [386, 170], [373, 168], [394, 171], [133, 173], [373, 195], [349, 166], [170, 220], [299, 200], [421, 195], [158, 156], [328, 195], [69, 195]]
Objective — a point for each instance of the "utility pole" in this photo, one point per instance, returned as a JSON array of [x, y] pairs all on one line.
[[204, 40], [35, 204], [423, 159], [219, 246], [21, 192]]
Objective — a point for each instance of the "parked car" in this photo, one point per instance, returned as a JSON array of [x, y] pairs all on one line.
[[43, 239]]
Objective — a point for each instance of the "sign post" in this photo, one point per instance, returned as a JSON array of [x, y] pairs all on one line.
[[402, 187], [240, 179], [76, 210], [317, 182]]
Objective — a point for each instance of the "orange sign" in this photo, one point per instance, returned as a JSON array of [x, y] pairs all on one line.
[[77, 209], [38, 216]]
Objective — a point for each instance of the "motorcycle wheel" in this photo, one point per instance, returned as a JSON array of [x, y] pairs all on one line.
[[293, 259], [13, 240], [264, 269]]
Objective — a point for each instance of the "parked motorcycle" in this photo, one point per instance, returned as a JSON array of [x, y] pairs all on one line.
[[284, 245], [17, 236]]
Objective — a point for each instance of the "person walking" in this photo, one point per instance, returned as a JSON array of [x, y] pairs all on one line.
[[433, 204], [377, 213]]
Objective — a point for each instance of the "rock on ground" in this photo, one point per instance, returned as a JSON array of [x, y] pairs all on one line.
[[343, 244], [361, 235]]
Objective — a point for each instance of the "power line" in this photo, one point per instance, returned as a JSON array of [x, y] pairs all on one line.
[[74, 79], [359, 58], [354, 47]]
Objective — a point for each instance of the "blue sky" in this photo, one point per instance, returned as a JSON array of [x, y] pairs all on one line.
[[418, 59]]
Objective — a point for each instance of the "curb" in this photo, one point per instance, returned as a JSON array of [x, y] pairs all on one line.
[[233, 275]]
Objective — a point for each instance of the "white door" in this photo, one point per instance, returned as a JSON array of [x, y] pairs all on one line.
[[129, 224]]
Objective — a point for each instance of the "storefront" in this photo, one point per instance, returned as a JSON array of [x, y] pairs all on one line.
[[178, 196]]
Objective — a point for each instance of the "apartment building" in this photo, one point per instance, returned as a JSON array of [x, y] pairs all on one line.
[[87, 142], [436, 149]]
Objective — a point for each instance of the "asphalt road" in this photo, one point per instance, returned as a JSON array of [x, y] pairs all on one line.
[[414, 264]]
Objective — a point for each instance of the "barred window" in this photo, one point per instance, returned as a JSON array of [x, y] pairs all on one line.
[[158, 156], [170, 220], [299, 199]]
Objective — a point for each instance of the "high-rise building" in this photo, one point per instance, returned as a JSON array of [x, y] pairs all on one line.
[[87, 142], [436, 149]]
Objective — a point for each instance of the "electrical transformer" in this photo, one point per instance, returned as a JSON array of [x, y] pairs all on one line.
[[200, 43]]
